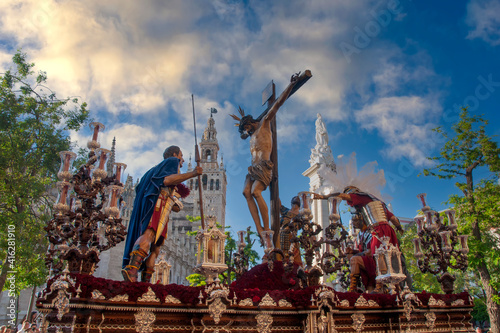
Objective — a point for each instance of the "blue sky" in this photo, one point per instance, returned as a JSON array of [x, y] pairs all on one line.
[[384, 74]]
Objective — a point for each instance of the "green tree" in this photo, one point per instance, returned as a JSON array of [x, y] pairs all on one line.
[[465, 153], [231, 248], [34, 127]]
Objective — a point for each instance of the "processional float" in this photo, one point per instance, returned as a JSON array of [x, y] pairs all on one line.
[[271, 297]]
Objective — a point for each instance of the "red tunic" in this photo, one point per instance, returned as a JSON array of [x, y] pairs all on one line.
[[358, 201]]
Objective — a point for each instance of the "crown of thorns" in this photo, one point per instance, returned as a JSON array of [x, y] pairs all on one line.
[[248, 119]]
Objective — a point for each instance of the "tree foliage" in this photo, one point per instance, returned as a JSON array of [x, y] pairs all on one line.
[[34, 127], [231, 247], [467, 152]]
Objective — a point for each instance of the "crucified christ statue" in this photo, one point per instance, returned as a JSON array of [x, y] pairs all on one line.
[[261, 145]]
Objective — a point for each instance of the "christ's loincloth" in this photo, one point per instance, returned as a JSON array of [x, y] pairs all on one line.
[[261, 171]]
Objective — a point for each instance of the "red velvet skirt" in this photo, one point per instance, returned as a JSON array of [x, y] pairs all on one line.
[[369, 274], [382, 229]]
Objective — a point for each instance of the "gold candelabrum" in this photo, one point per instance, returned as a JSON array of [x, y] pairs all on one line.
[[211, 255], [87, 213], [305, 235], [439, 246]]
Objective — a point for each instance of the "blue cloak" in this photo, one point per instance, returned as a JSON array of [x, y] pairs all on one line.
[[147, 192]]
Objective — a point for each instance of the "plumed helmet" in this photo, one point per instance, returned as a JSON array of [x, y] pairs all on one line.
[[351, 189]]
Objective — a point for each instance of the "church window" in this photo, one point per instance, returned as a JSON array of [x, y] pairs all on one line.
[[204, 181], [211, 184], [196, 185], [217, 185], [209, 155]]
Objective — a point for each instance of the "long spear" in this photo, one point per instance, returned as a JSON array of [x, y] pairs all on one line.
[[197, 159]]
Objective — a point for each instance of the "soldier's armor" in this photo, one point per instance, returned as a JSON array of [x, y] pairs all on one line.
[[363, 240], [374, 212]]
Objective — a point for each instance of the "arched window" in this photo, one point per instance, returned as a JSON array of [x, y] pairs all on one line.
[[209, 155], [196, 185], [211, 184], [217, 184], [204, 180]]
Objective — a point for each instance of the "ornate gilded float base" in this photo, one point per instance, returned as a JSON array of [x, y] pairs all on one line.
[[96, 305]]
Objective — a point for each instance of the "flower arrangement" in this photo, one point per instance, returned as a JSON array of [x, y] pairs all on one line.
[[254, 284]]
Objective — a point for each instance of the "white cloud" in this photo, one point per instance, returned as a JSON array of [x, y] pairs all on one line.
[[404, 123], [484, 20], [401, 103], [137, 63], [106, 52]]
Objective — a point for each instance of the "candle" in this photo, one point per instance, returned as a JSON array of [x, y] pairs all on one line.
[[269, 239], [96, 127], [118, 174], [114, 199], [305, 202], [102, 159], [67, 158], [445, 238], [96, 131], [112, 209], [62, 201], [64, 194], [422, 196], [420, 223], [429, 220], [267, 236], [101, 172], [241, 235], [305, 205], [333, 204], [463, 243], [452, 223], [418, 252], [118, 169]]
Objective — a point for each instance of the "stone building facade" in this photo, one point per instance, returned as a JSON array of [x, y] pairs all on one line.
[[214, 182]]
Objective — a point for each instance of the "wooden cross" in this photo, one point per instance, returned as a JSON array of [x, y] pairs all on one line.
[[269, 97]]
